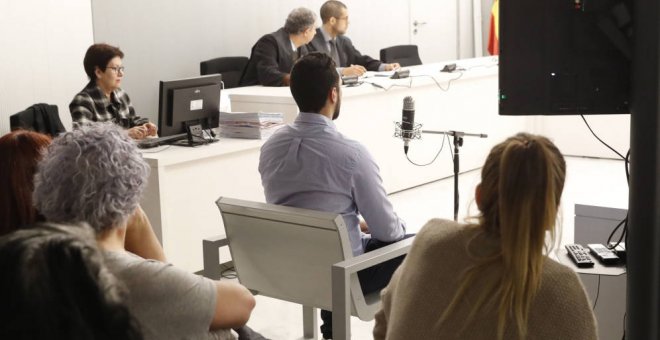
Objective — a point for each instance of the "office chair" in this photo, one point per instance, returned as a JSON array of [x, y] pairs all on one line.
[[231, 69], [298, 255], [406, 55]]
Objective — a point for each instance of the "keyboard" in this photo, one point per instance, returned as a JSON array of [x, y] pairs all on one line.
[[154, 142]]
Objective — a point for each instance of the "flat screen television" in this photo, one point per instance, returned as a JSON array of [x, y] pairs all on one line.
[[187, 102], [565, 57]]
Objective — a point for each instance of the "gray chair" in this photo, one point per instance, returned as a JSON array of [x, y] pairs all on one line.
[[298, 255], [231, 69], [406, 55]]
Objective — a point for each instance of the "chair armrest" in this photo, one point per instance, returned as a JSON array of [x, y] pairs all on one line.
[[375, 257], [211, 257]]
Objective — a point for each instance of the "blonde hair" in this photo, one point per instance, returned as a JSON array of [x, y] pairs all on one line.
[[521, 185]]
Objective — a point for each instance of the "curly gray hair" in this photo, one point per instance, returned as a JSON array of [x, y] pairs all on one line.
[[299, 20], [93, 174]]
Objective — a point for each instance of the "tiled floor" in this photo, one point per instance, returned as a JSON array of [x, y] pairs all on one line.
[[589, 181]]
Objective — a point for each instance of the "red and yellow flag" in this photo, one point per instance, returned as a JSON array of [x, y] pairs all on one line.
[[494, 37]]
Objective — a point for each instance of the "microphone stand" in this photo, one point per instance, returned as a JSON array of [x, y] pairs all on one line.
[[458, 142]]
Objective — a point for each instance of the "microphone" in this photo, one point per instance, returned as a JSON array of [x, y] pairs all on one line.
[[407, 121]]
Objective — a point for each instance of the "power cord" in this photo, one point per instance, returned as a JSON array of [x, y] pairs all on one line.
[[597, 294], [626, 162], [442, 145], [437, 83]]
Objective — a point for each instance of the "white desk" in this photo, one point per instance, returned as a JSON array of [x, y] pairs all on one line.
[[183, 186], [185, 182]]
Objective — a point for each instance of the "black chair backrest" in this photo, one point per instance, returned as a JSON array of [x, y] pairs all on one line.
[[231, 69], [43, 118], [405, 55]]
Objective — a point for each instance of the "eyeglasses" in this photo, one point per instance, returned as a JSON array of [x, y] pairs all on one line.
[[117, 69], [343, 18]]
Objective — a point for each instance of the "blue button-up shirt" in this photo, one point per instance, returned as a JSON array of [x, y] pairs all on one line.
[[309, 164]]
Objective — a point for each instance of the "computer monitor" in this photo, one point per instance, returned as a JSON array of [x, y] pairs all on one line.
[[188, 102], [565, 57]]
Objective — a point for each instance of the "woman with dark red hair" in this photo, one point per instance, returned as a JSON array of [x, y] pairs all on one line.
[[20, 151]]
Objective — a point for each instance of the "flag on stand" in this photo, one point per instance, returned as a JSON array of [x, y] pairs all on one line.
[[494, 37]]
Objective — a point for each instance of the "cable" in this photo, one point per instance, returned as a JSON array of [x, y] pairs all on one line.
[[625, 316], [600, 140], [436, 81], [434, 158], [626, 163], [391, 86], [597, 294]]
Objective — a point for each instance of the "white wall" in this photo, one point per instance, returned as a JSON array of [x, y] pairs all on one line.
[[167, 39], [42, 44]]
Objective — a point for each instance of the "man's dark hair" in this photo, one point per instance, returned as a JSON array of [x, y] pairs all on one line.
[[331, 9], [54, 283], [99, 55], [312, 78]]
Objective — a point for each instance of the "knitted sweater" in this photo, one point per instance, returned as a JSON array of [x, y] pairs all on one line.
[[424, 285]]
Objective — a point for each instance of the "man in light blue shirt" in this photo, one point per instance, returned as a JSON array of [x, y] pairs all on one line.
[[309, 164]]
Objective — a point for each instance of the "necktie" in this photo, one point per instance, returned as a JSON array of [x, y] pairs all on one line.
[[333, 52]]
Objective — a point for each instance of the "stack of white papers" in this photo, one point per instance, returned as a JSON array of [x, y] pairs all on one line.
[[253, 125]]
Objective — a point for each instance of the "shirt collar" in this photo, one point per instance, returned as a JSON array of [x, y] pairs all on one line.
[[293, 46], [326, 35], [315, 118], [98, 93]]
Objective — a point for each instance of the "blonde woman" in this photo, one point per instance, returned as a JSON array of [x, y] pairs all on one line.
[[491, 280]]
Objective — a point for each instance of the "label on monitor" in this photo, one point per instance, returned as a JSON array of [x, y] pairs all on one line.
[[197, 104]]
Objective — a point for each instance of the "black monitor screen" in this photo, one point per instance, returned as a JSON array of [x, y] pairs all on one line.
[[188, 101], [563, 57]]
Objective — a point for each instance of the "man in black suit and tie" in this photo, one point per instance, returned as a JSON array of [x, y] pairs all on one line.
[[330, 39], [274, 54]]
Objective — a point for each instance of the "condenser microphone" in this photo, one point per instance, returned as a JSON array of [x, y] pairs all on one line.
[[407, 121]]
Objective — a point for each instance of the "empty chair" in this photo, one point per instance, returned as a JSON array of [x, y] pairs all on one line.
[[231, 69], [43, 118], [405, 55], [298, 255]]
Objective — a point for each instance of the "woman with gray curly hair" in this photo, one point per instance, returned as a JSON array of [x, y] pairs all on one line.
[[273, 55], [96, 175]]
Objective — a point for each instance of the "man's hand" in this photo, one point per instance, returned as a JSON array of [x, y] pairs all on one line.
[[353, 70], [364, 227], [392, 67], [286, 81]]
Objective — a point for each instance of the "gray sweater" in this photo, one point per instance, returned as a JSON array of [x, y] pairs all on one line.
[[426, 282]]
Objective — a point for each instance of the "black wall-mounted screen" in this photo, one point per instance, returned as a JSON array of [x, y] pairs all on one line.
[[565, 57]]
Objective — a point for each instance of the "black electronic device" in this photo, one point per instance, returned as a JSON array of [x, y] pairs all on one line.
[[619, 249], [189, 102], [149, 142], [350, 80], [407, 121], [564, 57], [449, 68], [579, 255], [604, 255], [401, 73]]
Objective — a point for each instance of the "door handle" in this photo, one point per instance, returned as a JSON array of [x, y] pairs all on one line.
[[419, 23]]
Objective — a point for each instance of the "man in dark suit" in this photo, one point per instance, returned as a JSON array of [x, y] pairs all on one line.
[[274, 54], [330, 39]]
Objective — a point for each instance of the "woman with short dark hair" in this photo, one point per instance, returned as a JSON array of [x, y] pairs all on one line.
[[102, 99]]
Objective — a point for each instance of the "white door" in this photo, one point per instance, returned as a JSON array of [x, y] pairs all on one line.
[[433, 28]]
